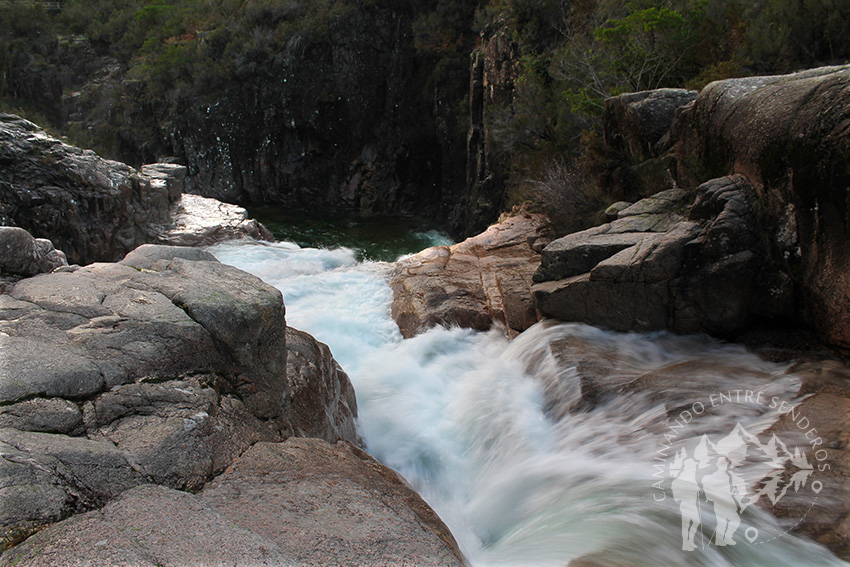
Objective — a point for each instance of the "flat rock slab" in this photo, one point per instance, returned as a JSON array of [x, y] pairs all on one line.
[[331, 505], [578, 253], [202, 221], [303, 502]]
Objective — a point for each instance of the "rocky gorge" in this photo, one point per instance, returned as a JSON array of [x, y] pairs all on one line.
[[168, 381], [164, 394], [740, 233], [134, 385]]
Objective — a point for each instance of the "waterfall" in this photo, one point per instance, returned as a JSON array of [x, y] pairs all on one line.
[[543, 450]]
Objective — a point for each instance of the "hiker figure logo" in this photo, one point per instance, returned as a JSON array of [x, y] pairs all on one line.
[[708, 479]]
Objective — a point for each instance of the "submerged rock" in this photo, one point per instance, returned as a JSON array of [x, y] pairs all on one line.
[[482, 280]]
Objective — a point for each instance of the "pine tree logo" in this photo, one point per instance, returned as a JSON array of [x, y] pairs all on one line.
[[709, 479]]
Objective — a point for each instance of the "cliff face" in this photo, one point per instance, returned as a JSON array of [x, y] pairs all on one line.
[[353, 118], [757, 228], [366, 112], [328, 125], [91, 208], [788, 135], [493, 72]]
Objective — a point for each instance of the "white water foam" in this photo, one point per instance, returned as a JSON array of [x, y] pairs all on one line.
[[462, 416]]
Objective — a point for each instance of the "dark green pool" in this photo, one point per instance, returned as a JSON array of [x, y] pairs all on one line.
[[375, 238]]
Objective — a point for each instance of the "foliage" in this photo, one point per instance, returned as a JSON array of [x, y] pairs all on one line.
[[567, 194], [575, 53]]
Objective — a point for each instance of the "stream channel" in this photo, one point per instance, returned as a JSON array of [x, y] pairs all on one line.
[[498, 437]]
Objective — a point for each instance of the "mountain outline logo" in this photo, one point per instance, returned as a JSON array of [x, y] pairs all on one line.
[[710, 478]]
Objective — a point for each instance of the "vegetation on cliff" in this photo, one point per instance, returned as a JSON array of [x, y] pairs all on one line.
[[574, 54], [130, 79]]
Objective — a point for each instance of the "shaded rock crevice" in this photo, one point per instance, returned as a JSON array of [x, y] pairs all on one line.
[[663, 264]]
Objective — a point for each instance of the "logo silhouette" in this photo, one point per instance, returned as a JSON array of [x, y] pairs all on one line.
[[711, 470]]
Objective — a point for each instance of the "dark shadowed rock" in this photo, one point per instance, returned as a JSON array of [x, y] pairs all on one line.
[[90, 208], [789, 136], [493, 74], [331, 505], [23, 255], [664, 264], [636, 128], [635, 123], [483, 279]]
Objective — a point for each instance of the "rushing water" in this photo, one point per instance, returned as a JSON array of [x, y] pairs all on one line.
[[524, 476]]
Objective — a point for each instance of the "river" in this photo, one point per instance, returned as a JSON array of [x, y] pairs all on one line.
[[520, 478]]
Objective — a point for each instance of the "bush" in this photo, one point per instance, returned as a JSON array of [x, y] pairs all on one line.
[[567, 194]]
